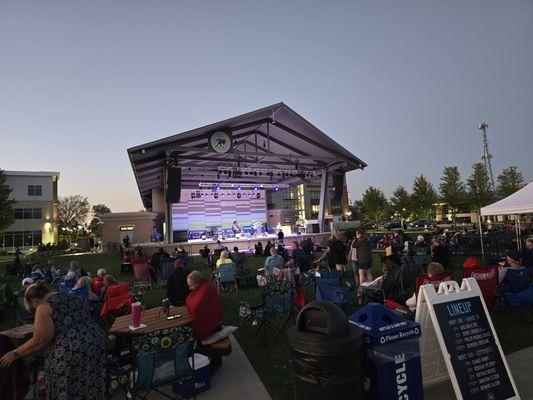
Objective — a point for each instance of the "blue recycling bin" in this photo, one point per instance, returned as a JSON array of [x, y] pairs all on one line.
[[390, 354]]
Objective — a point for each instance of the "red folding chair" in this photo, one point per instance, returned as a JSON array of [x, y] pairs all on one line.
[[118, 300], [141, 272], [487, 279], [435, 281]]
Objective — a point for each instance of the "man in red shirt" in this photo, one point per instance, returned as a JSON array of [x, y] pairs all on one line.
[[204, 305]]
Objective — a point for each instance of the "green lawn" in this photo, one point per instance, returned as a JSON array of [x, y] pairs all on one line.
[[272, 363]]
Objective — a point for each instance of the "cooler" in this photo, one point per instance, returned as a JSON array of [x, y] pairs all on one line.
[[202, 376]]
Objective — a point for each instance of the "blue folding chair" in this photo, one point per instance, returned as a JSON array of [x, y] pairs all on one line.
[[227, 275], [515, 292], [65, 286], [329, 289], [277, 303], [82, 294], [160, 358]]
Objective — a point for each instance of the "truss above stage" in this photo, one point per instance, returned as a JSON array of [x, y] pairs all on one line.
[[273, 145]]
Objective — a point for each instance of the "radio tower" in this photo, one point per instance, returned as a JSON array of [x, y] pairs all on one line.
[[486, 156]]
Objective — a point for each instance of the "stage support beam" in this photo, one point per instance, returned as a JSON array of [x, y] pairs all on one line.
[[168, 218], [322, 204]]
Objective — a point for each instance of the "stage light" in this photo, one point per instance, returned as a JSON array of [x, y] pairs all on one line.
[[238, 195], [255, 188], [255, 173], [239, 188], [216, 195], [276, 189], [258, 195]]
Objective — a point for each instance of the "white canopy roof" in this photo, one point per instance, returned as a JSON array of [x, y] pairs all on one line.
[[520, 202]]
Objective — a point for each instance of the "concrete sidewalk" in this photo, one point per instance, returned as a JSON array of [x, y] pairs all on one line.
[[235, 380], [520, 365]]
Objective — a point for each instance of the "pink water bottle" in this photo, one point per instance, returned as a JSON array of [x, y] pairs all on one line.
[[137, 310]]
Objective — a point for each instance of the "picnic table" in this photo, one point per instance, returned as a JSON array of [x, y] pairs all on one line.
[[153, 319], [19, 333]]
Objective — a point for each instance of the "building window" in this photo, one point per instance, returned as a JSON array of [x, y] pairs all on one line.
[[12, 240], [28, 213], [35, 190]]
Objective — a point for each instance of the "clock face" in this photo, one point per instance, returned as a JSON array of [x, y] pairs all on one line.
[[220, 141]]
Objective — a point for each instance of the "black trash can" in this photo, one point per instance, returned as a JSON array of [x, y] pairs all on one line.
[[325, 354]]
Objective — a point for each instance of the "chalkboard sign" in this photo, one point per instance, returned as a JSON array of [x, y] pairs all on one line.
[[474, 354], [459, 341]]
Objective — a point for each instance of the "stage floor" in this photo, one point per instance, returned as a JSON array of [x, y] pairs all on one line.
[[243, 243]]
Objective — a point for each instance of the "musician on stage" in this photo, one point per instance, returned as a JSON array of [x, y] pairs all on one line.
[[236, 228]]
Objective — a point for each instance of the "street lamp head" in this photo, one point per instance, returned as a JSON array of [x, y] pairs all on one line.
[[482, 126]]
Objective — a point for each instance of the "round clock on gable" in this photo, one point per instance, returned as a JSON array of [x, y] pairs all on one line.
[[220, 141]]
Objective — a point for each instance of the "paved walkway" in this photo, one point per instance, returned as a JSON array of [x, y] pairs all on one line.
[[520, 365], [234, 381]]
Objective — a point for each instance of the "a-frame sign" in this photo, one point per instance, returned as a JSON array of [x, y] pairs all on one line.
[[459, 341]]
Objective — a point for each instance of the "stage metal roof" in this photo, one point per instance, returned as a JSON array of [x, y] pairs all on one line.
[[272, 145]]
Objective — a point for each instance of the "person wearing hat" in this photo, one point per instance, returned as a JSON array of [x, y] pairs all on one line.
[[515, 277], [98, 281]]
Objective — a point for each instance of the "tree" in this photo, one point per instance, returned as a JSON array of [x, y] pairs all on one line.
[[375, 203], [452, 189], [479, 187], [509, 180], [358, 210], [72, 211], [95, 226], [424, 196], [100, 209], [6, 210], [401, 202]]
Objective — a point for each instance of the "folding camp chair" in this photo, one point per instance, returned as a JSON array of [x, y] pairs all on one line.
[[227, 275], [277, 303], [435, 281], [141, 272], [161, 358], [329, 289], [65, 286], [515, 292], [487, 280], [117, 302]]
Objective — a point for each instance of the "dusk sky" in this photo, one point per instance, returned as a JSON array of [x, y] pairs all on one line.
[[401, 84]]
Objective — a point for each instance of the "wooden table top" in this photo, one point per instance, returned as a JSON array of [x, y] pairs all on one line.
[[19, 333], [152, 320]]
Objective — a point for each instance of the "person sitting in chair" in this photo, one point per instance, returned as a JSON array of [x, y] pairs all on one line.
[[205, 253], [177, 288], [205, 309], [224, 258], [512, 258]]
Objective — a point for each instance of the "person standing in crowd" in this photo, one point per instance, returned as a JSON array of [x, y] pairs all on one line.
[[439, 253], [219, 246], [177, 288], [126, 241], [337, 253], [364, 256], [73, 344], [91, 244], [281, 235], [258, 250], [308, 245], [266, 251], [295, 264], [205, 253]]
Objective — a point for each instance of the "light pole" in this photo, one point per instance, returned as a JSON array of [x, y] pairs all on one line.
[[486, 156]]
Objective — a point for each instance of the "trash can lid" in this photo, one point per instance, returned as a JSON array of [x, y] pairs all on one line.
[[324, 318], [322, 328], [382, 326]]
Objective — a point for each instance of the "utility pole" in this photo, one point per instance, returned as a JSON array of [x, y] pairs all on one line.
[[486, 156]]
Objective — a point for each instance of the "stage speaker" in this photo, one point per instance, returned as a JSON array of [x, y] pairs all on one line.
[[338, 186], [173, 185]]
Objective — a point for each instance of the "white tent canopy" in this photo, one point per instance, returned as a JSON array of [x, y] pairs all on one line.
[[520, 202]]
